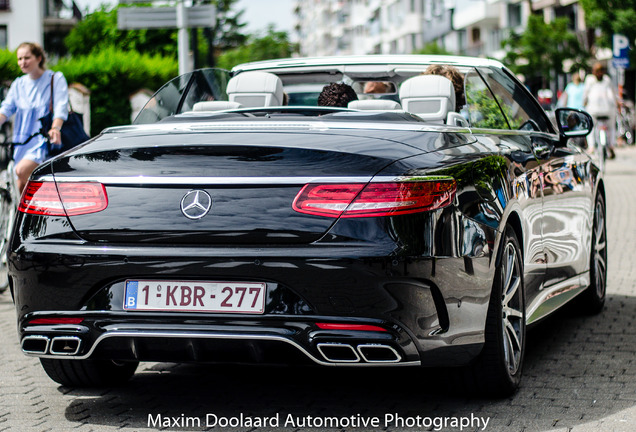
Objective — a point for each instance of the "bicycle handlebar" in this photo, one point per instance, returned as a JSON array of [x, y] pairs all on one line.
[[12, 144]]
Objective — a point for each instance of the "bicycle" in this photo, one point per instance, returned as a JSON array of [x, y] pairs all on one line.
[[9, 198], [601, 132], [625, 125]]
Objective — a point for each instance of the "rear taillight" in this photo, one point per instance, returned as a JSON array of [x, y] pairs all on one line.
[[62, 199], [375, 199]]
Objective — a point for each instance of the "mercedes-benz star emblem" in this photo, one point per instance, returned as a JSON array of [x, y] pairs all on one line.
[[196, 204]]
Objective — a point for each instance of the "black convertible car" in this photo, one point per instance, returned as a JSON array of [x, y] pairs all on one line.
[[426, 225]]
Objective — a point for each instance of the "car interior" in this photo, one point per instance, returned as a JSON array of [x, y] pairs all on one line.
[[431, 97], [288, 91]]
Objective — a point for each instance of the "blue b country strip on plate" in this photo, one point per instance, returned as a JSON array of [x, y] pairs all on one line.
[[131, 295]]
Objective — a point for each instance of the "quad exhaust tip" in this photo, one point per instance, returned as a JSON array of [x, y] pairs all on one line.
[[338, 352], [376, 353], [35, 344], [65, 345], [59, 345], [368, 353]]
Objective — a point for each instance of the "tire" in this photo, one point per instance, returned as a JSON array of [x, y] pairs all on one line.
[[88, 373], [592, 300], [602, 142], [5, 226], [5, 150], [497, 370]]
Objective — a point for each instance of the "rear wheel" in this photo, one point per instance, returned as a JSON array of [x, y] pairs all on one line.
[[6, 214], [497, 370], [88, 373], [592, 299]]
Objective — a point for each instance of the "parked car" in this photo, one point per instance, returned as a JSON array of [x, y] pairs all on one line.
[[224, 227]]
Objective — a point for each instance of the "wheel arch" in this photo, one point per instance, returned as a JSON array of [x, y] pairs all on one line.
[[600, 189], [514, 221]]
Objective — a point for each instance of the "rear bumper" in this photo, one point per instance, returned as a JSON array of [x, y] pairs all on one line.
[[290, 343], [300, 343], [432, 310]]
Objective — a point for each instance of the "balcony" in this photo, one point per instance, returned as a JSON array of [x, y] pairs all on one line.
[[469, 13]]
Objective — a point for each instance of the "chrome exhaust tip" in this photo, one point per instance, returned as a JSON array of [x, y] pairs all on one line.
[[65, 345], [35, 344], [377, 353], [338, 352]]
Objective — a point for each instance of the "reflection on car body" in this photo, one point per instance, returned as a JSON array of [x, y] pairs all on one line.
[[222, 228]]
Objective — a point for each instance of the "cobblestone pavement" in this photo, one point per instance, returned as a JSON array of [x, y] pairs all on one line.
[[580, 374]]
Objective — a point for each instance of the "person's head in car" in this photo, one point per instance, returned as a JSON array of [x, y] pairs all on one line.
[[336, 95]]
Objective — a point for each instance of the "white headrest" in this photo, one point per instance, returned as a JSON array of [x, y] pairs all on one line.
[[429, 96], [375, 105], [255, 89], [215, 106]]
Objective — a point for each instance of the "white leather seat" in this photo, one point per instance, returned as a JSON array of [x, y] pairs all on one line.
[[375, 105], [215, 106], [431, 97], [255, 89]]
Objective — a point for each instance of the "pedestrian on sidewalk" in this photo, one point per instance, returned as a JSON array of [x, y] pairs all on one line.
[[572, 96], [28, 99]]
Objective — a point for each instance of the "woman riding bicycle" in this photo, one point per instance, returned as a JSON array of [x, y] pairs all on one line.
[[602, 104], [29, 98]]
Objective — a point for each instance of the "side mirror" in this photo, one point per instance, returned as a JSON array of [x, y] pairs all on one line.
[[573, 123]]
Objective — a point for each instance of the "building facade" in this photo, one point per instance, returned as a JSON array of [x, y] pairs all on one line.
[[465, 27], [45, 22]]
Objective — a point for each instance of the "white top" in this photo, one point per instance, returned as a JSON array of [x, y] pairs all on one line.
[[29, 100], [599, 96]]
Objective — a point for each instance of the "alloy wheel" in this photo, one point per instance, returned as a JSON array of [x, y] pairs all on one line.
[[599, 252], [512, 309]]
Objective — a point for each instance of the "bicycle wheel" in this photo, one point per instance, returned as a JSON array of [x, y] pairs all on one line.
[[602, 143], [6, 216]]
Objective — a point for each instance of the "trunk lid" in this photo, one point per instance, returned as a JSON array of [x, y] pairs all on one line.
[[248, 180]]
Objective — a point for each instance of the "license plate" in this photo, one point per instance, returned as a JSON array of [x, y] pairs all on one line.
[[195, 296]]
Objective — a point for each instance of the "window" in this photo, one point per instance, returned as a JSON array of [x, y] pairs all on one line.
[[514, 15], [5, 5], [475, 34], [512, 107], [3, 37], [483, 110]]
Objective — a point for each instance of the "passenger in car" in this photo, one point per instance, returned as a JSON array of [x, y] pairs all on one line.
[[373, 87], [456, 78], [337, 95]]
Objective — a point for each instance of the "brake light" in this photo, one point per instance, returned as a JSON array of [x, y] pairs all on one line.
[[375, 199], [72, 199], [56, 321]]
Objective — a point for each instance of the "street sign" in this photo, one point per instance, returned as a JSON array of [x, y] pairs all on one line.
[[135, 18], [620, 51]]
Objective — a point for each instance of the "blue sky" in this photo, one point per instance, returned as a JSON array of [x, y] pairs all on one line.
[[258, 13]]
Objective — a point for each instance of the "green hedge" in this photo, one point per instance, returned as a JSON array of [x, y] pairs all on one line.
[[9, 69], [111, 75]]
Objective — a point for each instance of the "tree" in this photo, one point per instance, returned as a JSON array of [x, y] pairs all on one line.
[[99, 30], [274, 44], [615, 16], [538, 53], [225, 35]]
